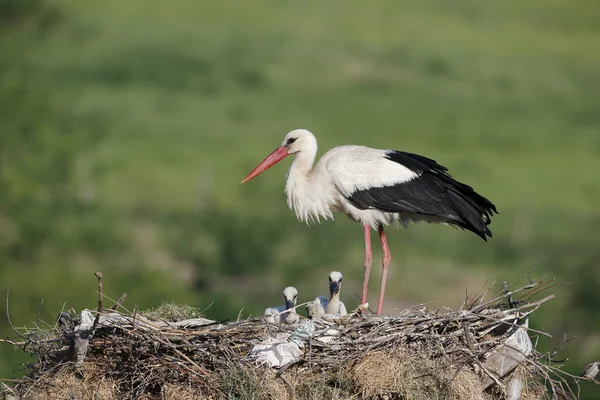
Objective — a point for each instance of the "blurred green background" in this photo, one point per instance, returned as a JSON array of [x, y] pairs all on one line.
[[126, 127]]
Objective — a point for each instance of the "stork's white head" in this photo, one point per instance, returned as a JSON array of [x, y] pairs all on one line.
[[298, 141], [335, 282], [290, 295]]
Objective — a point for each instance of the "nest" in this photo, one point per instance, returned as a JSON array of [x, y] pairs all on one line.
[[416, 354]]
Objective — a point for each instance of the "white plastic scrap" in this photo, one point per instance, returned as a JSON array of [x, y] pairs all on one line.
[[285, 348], [277, 351], [304, 331], [83, 334], [87, 321], [328, 336], [514, 351]]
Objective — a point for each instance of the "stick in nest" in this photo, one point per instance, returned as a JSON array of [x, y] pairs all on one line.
[[8, 318], [99, 276], [119, 302]]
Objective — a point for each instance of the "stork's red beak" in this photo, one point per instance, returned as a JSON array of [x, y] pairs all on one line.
[[279, 154]]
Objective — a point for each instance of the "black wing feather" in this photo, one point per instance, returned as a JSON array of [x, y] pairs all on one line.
[[433, 193]]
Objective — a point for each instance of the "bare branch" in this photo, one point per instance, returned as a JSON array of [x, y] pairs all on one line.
[[99, 276], [119, 302], [8, 317]]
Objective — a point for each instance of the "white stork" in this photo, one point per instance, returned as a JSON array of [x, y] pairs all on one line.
[[333, 305], [375, 188], [278, 315]]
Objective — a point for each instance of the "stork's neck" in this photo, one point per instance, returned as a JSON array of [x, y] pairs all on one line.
[[301, 168], [298, 181], [309, 193], [333, 307]]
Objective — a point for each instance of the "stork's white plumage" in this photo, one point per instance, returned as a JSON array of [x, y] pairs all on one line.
[[278, 315], [332, 305], [375, 188]]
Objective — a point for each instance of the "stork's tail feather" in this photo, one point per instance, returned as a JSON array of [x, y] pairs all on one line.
[[474, 210]]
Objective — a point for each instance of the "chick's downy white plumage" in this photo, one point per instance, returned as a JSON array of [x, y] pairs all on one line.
[[286, 313], [333, 305]]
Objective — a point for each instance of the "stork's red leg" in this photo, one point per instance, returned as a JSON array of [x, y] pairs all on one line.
[[385, 263], [367, 263]]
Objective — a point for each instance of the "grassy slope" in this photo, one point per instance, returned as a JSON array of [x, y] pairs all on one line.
[[194, 94]]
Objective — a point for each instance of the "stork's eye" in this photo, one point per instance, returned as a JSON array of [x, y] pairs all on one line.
[[291, 140]]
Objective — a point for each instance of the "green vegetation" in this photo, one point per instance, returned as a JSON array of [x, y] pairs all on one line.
[[126, 127]]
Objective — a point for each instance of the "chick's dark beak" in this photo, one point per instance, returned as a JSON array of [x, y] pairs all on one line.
[[290, 303], [334, 287]]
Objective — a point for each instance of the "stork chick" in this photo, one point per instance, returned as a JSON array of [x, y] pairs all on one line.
[[286, 313], [333, 305]]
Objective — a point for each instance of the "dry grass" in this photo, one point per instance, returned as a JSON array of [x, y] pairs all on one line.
[[89, 383], [241, 382], [380, 372], [378, 375], [172, 312], [86, 383], [532, 389], [403, 375], [181, 392], [465, 385]]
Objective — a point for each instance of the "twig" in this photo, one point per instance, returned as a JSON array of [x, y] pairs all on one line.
[[119, 302], [525, 275], [559, 346], [499, 297], [100, 295], [114, 301], [99, 276], [468, 337], [239, 317], [40, 311], [12, 342], [509, 298], [11, 380], [486, 291], [535, 305], [10, 322]]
